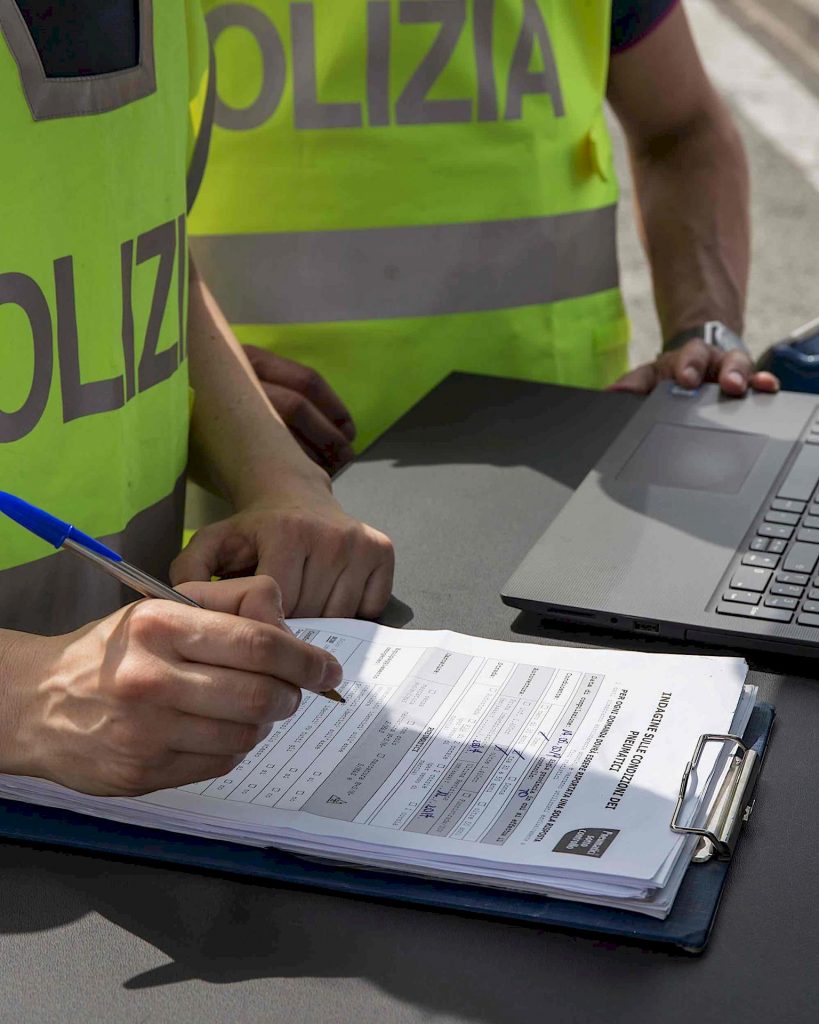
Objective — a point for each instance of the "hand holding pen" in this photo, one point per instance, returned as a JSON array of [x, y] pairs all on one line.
[[159, 694]]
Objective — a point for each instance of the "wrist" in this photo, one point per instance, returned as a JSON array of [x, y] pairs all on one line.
[[714, 333], [18, 680], [280, 480]]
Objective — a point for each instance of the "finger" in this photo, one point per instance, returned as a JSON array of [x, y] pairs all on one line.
[[764, 381], [191, 734], [253, 597], [229, 695], [329, 556], [639, 381], [214, 551], [285, 563], [689, 366], [345, 597], [276, 369], [227, 641], [377, 591], [310, 424], [735, 370]]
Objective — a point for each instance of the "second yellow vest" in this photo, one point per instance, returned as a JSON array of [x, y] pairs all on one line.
[[402, 188]]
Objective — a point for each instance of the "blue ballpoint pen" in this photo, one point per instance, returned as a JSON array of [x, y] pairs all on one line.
[[63, 535]]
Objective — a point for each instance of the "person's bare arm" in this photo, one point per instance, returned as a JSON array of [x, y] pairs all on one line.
[[692, 186], [287, 524]]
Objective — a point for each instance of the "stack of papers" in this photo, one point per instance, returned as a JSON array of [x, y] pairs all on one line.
[[522, 766]]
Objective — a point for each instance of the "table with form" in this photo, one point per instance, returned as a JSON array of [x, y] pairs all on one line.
[[86, 937]]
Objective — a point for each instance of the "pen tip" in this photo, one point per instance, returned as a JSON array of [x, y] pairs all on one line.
[[334, 695]]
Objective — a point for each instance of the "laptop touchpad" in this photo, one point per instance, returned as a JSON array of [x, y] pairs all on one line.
[[695, 458]]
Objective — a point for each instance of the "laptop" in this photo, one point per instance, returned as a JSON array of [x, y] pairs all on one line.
[[700, 523]]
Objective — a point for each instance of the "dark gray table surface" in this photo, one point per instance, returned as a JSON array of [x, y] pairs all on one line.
[[463, 485]]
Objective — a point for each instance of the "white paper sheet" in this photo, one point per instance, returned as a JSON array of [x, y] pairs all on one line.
[[544, 768]]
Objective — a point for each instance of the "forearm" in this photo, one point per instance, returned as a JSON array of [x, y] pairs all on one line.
[[239, 445], [693, 195]]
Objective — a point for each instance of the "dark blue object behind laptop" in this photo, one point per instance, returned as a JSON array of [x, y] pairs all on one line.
[[795, 361]]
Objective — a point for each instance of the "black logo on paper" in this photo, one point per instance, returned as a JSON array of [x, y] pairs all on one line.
[[587, 842]]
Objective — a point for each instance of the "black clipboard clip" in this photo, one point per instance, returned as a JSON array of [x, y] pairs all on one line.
[[733, 802]]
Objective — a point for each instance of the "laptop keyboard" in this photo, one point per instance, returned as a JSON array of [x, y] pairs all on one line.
[[777, 580]]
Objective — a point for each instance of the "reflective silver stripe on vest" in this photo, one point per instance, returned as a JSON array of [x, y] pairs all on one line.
[[63, 592], [49, 98], [386, 273], [199, 157]]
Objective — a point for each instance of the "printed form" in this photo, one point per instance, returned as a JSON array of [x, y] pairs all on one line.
[[541, 768]]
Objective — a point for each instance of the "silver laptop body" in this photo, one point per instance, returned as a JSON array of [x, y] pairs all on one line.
[[698, 523]]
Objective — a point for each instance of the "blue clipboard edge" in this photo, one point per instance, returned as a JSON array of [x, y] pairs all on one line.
[[687, 928]]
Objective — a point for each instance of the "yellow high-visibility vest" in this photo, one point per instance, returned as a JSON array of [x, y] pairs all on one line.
[[93, 308], [402, 188]]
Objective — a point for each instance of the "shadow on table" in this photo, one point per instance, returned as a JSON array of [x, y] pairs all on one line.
[[223, 931], [496, 422]]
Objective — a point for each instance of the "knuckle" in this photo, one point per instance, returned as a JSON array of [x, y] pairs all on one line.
[[136, 683], [146, 621], [385, 547], [341, 541], [258, 700], [739, 362], [308, 381], [312, 667], [267, 588], [254, 641]]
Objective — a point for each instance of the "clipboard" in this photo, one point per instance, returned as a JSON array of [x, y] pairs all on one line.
[[687, 928]]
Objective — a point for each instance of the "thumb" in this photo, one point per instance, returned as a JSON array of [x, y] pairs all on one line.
[[251, 597], [639, 382], [203, 558]]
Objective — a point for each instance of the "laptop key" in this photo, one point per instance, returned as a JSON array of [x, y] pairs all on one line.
[[799, 579], [763, 561], [808, 536], [811, 606], [813, 595], [800, 483], [749, 578], [782, 602], [747, 611], [775, 547], [772, 530], [786, 590], [785, 518], [811, 521], [808, 620], [801, 558], [760, 544], [741, 597], [788, 505]]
